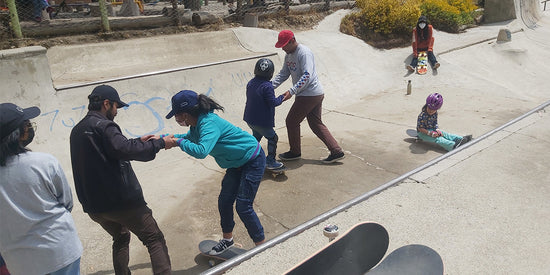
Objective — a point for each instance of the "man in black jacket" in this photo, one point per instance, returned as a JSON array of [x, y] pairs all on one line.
[[106, 185]]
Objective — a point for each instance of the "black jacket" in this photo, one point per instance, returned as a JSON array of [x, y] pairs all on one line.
[[100, 156]]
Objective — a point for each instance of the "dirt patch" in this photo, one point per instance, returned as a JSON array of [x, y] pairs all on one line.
[[296, 22]]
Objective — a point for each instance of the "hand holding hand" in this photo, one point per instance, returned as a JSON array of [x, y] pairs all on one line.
[[288, 95], [170, 142]]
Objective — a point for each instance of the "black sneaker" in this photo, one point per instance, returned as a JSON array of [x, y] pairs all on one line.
[[334, 157], [462, 141], [221, 247], [289, 156]]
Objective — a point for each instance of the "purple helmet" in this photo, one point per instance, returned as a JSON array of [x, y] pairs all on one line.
[[434, 101]]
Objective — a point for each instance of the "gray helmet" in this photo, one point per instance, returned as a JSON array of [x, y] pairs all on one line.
[[264, 68]]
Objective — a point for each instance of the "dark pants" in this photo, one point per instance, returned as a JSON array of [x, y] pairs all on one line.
[[431, 59], [309, 107], [239, 187], [269, 133], [139, 221]]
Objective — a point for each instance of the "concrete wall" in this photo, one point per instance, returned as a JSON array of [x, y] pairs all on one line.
[[25, 75], [499, 10], [529, 11]]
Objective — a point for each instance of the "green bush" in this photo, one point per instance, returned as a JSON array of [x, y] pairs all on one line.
[[448, 15], [400, 16], [389, 16]]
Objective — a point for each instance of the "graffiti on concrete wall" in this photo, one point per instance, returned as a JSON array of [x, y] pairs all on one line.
[[155, 107]]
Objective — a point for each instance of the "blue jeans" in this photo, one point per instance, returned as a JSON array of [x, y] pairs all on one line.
[[446, 140], [431, 59], [239, 187], [71, 269], [269, 133]]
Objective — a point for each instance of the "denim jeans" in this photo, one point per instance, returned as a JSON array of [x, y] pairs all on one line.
[[269, 133], [239, 187], [431, 59], [446, 140], [71, 269], [139, 221]]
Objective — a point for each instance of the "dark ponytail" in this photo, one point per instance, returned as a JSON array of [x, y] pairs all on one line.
[[205, 105]]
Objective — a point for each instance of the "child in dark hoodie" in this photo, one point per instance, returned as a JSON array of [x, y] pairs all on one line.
[[259, 111]]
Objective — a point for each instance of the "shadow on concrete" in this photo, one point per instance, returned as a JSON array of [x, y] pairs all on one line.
[[420, 147]]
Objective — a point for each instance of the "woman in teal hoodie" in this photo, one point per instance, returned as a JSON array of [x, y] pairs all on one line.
[[233, 149]]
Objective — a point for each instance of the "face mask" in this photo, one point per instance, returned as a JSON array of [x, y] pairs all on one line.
[[30, 137], [422, 25]]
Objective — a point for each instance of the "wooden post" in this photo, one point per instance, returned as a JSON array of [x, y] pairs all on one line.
[[104, 18], [16, 27]]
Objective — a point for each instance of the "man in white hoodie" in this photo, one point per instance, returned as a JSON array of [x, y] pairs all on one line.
[[299, 64]]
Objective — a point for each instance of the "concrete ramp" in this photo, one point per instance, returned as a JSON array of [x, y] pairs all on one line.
[[528, 11], [104, 61]]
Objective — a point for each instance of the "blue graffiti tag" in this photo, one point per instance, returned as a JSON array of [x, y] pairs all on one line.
[[160, 121]]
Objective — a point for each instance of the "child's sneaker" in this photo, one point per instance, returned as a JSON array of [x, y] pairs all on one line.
[[273, 165], [289, 156], [334, 157], [410, 68], [221, 247], [436, 65]]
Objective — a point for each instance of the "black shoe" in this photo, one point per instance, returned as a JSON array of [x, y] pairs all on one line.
[[462, 141], [334, 157], [221, 247], [289, 156]]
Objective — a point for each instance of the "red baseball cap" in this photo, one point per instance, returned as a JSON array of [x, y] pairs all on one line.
[[284, 37]]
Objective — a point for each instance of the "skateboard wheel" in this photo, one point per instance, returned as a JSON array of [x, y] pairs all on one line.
[[330, 231], [211, 263]]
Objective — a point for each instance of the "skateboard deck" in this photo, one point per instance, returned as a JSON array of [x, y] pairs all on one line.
[[276, 172], [206, 245], [422, 66], [411, 259], [354, 252], [412, 133]]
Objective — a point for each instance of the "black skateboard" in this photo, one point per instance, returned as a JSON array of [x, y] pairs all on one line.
[[414, 259], [354, 252], [206, 245]]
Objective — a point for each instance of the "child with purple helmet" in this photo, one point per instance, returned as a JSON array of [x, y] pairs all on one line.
[[428, 129]]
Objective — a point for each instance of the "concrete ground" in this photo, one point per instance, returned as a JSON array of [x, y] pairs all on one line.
[[484, 209]]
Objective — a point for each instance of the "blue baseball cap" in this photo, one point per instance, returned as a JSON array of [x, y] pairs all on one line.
[[182, 102]]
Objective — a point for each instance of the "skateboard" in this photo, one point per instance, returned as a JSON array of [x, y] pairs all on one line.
[[206, 245], [414, 134], [354, 252], [422, 66], [414, 259], [277, 172]]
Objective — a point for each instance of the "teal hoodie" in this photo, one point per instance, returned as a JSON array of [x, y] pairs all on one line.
[[230, 146]]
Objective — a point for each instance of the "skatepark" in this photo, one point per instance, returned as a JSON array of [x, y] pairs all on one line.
[[483, 207]]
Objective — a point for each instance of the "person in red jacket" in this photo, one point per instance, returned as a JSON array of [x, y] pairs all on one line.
[[422, 40]]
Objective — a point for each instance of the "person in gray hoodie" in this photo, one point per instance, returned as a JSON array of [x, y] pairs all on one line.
[[37, 232], [300, 65]]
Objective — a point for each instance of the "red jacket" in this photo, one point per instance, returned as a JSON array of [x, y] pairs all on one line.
[[423, 44]]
